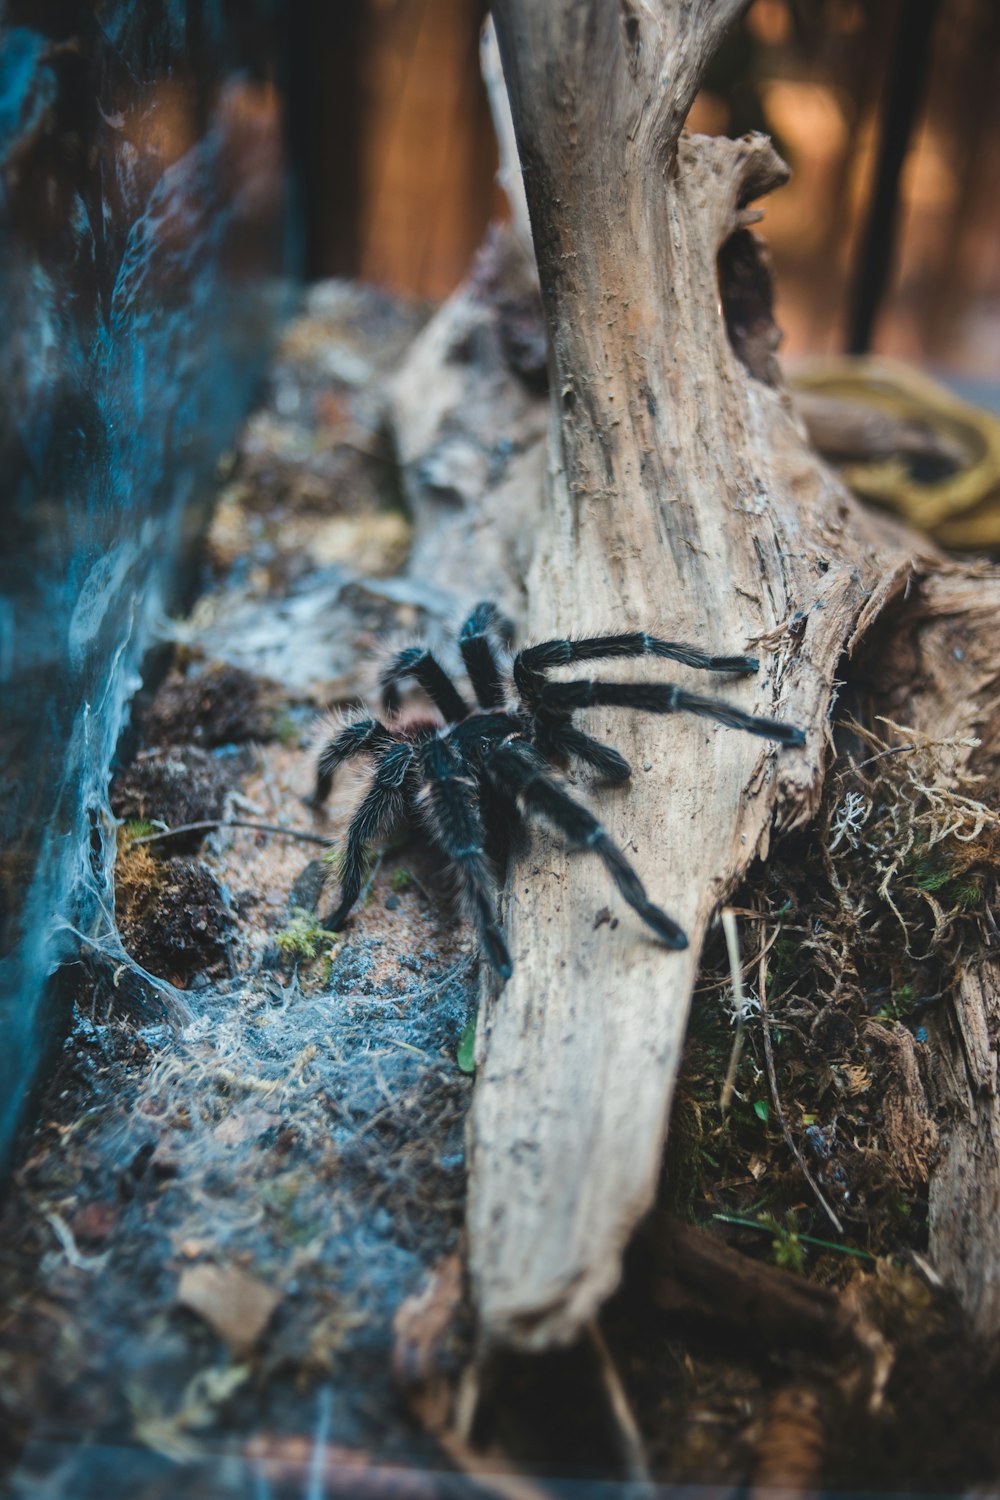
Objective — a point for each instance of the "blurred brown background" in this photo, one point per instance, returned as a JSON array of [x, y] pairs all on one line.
[[888, 112]]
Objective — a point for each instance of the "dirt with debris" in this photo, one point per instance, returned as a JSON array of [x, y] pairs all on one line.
[[231, 1260], [253, 1146], [217, 705]]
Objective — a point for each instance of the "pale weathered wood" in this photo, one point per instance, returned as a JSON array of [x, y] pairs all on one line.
[[470, 437], [943, 654], [682, 499]]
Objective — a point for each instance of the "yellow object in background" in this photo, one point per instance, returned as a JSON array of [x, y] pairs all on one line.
[[906, 442]]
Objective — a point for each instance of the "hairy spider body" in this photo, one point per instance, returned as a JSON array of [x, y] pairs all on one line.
[[471, 777]]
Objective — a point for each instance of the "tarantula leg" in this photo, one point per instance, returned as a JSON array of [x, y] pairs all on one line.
[[476, 643], [456, 827], [518, 769], [381, 809], [353, 739], [419, 663], [663, 698], [566, 739], [533, 661]]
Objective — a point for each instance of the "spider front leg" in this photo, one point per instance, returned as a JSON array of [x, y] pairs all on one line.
[[455, 826], [531, 664], [560, 737], [663, 698], [423, 666], [519, 770], [476, 642], [354, 739], [382, 809]]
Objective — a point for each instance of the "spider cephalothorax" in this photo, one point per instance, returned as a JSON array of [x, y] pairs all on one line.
[[469, 778]]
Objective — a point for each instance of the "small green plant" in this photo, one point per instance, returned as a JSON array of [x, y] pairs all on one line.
[[767, 1224], [466, 1054], [899, 1004], [930, 875], [286, 729], [788, 1249], [304, 936], [968, 894], [401, 880], [138, 828]]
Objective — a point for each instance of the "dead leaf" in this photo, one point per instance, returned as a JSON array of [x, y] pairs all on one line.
[[244, 1125], [422, 1322], [234, 1304]]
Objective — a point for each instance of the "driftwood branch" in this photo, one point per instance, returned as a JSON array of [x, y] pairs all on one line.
[[681, 497]]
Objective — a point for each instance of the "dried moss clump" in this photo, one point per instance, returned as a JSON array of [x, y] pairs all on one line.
[[221, 705], [173, 787], [170, 913], [852, 936]]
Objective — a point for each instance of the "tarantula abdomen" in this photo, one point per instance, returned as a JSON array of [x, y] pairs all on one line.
[[469, 778]]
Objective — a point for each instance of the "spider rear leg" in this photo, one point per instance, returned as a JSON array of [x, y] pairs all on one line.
[[522, 772], [663, 698], [423, 666], [354, 739], [382, 809], [457, 829]]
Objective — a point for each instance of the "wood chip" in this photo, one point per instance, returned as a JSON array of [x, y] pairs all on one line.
[[234, 1304]]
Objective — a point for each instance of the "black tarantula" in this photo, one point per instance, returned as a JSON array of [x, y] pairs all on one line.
[[470, 776]]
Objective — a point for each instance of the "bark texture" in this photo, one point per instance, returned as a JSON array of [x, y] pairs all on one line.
[[941, 677], [681, 499]]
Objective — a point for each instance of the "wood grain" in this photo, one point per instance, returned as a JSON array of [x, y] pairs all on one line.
[[682, 499]]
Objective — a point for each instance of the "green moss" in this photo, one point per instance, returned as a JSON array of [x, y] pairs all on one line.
[[968, 894], [304, 936], [930, 875], [787, 1247], [285, 729]]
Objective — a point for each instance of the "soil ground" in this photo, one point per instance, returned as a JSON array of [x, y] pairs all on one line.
[[231, 1257]]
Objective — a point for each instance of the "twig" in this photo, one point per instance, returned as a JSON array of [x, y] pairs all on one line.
[[772, 1079], [756, 916], [366, 889], [316, 1486], [292, 833], [436, 985], [736, 973], [630, 1442], [76, 1258]]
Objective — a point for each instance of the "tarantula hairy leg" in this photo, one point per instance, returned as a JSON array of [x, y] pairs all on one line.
[[468, 775]]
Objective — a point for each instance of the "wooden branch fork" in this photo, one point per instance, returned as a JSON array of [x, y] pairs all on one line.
[[681, 498]]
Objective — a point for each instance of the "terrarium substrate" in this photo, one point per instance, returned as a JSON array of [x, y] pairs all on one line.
[[233, 1257]]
